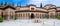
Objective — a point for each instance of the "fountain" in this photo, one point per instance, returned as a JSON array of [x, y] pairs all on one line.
[[37, 21]]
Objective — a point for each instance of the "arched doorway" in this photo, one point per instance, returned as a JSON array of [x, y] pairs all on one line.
[[32, 16], [2, 14]]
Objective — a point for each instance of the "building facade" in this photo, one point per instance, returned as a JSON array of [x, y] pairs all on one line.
[[29, 11]]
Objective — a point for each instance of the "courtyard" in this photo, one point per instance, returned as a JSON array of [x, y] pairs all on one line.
[[31, 22]]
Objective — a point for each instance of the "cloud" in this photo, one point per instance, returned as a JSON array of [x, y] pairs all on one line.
[[36, 2]]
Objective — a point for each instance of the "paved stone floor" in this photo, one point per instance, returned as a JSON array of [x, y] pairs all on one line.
[[31, 22]]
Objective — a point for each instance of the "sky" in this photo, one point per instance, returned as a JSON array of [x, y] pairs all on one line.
[[35, 2]]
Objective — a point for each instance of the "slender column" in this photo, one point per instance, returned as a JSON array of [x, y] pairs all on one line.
[[58, 13], [41, 16], [22, 15], [49, 15], [14, 15], [26, 15], [54, 15], [8, 15], [18, 15], [44, 15]]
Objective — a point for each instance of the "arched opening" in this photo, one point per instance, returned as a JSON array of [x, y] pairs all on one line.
[[2, 14], [32, 16]]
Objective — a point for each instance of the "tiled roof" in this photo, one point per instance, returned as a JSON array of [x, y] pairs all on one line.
[[1, 7], [49, 5], [30, 5], [31, 11], [8, 6]]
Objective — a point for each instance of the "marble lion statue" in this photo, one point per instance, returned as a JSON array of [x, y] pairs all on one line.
[[37, 21]]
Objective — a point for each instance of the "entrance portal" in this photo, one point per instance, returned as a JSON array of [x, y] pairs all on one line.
[[32, 16]]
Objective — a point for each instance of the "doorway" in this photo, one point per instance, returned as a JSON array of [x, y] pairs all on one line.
[[32, 16]]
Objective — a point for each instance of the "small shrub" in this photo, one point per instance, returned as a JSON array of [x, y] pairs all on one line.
[[47, 17], [58, 17], [15, 18], [1, 19]]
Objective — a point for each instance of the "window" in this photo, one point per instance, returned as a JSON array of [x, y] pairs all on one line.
[[32, 9]]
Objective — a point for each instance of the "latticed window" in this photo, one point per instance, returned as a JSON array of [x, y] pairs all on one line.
[[32, 9]]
